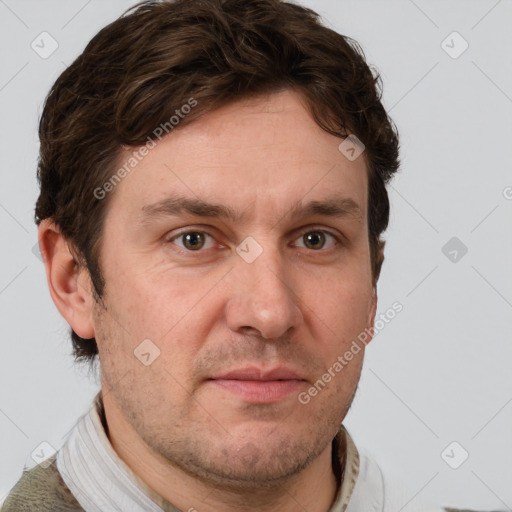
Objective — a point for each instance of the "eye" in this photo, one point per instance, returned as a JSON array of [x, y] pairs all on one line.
[[316, 239], [192, 240]]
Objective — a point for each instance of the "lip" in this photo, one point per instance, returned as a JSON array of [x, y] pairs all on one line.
[[256, 385], [259, 374]]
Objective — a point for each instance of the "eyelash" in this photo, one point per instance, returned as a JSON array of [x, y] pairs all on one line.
[[188, 252]]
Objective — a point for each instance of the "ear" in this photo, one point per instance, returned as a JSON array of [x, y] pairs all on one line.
[[379, 260], [372, 309], [68, 282]]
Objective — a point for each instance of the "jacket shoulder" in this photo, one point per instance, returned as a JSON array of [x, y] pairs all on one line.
[[41, 489]]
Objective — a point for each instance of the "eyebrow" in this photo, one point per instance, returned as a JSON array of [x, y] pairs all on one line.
[[335, 206]]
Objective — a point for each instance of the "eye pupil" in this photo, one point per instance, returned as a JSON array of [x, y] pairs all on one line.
[[312, 239], [193, 240]]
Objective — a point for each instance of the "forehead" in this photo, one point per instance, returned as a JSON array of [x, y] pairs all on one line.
[[266, 153]]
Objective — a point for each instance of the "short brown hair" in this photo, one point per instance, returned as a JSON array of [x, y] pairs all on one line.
[[138, 70]]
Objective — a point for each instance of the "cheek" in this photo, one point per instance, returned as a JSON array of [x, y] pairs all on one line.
[[344, 297], [338, 314], [145, 304], [172, 310]]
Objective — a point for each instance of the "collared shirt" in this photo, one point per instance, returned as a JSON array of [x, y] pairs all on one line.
[[88, 475]]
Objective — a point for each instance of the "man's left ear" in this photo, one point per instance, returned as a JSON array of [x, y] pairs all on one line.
[[373, 309]]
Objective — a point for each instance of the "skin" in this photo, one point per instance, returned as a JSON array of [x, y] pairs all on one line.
[[209, 311]]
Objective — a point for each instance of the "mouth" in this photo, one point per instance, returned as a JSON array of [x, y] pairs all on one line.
[[258, 386]]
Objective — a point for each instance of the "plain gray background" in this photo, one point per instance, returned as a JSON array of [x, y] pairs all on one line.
[[440, 371]]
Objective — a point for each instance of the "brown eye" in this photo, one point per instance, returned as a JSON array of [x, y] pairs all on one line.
[[192, 240], [316, 240]]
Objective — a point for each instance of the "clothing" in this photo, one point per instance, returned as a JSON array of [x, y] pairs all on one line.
[[87, 475]]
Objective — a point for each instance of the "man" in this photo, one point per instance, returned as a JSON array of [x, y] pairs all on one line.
[[212, 198]]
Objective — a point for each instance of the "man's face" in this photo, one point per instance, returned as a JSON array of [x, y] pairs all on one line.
[[177, 279]]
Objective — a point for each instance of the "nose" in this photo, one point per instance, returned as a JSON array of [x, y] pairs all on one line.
[[263, 299]]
